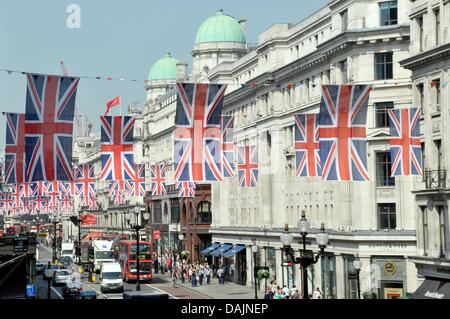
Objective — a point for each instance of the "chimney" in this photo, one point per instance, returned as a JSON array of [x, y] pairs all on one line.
[[243, 24], [181, 71]]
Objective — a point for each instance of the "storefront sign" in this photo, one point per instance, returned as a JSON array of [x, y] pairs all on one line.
[[21, 245], [393, 293], [390, 269]]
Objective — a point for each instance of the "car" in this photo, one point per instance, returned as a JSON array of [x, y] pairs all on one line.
[[40, 267], [65, 261], [72, 290], [60, 277], [87, 294], [49, 271]]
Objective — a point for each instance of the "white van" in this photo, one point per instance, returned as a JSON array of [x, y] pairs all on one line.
[[111, 277]]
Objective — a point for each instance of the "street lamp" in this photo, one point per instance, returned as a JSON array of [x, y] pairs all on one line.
[[255, 249], [55, 222], [357, 265], [304, 260], [137, 228]]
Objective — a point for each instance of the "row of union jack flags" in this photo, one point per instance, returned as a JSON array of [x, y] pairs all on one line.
[[332, 143]]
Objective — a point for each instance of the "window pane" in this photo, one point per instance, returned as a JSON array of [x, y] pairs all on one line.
[[392, 221], [384, 221]]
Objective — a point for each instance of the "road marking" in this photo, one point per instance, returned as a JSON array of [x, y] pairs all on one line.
[[162, 291], [57, 293]]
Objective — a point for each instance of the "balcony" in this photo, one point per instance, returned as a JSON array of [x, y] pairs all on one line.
[[435, 179]]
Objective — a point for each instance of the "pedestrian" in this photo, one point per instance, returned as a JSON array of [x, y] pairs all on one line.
[[220, 275], [286, 292], [277, 293], [183, 273], [190, 273], [200, 275], [294, 293], [208, 275], [174, 277], [269, 293], [317, 294]]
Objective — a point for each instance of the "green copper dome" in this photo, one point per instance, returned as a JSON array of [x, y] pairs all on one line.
[[164, 69], [220, 28]]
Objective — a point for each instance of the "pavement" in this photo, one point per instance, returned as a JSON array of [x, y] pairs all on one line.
[[229, 290]]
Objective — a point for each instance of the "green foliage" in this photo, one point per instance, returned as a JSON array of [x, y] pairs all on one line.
[[262, 274], [369, 295]]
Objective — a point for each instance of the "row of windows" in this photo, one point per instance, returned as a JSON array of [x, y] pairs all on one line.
[[424, 37]]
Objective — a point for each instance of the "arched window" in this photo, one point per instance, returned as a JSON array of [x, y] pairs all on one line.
[[204, 212]]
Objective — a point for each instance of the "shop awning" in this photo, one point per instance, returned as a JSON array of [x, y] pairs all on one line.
[[433, 289], [219, 251], [83, 233], [209, 249], [234, 251]]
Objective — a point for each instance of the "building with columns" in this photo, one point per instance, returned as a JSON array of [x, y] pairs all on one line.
[[429, 63], [344, 42]]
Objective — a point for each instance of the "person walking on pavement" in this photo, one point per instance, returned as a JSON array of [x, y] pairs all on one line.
[[174, 277], [194, 279], [200, 275], [317, 294], [208, 275]]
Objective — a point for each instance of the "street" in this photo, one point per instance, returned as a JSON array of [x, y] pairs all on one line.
[[159, 284]]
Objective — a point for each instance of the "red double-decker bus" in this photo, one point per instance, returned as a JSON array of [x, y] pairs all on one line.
[[127, 260]]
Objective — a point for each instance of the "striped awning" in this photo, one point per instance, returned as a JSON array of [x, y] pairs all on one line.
[[209, 249], [219, 251]]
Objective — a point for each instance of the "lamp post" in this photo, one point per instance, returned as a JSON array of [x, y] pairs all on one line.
[[137, 228], [55, 222], [357, 265], [304, 260], [255, 249]]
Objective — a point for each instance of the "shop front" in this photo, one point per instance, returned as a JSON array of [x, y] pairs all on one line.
[[235, 260], [437, 279], [392, 277]]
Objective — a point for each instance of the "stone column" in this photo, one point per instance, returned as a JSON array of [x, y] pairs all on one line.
[[264, 179], [340, 277], [279, 257], [250, 264], [278, 176]]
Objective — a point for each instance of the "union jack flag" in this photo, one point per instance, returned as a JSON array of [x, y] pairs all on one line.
[[119, 186], [228, 145], [158, 179], [307, 145], [198, 138], [137, 184], [15, 148], [186, 189], [40, 204], [119, 198], [342, 132], [54, 195], [50, 106], [84, 180], [406, 150], [89, 202], [117, 147], [248, 166], [66, 204], [17, 197], [28, 190], [40, 189], [67, 188]]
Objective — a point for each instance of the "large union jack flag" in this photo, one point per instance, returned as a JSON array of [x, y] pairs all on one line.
[[158, 179], [85, 180], [342, 132], [307, 149], [228, 145], [137, 184], [50, 106], [117, 147], [198, 138], [15, 148], [186, 189], [406, 150], [248, 166]]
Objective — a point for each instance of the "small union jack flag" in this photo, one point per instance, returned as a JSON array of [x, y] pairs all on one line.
[[28, 190], [54, 194], [248, 166], [15, 148], [84, 180], [137, 184], [40, 189], [50, 106], [228, 145], [307, 148], [158, 179], [342, 132], [198, 138], [406, 150], [186, 189], [117, 147], [119, 186], [118, 197], [66, 204], [17, 197], [67, 188]]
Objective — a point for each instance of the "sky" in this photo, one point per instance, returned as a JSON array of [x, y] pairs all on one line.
[[119, 39]]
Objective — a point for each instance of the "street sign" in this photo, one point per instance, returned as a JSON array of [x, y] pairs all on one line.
[[21, 245], [31, 290]]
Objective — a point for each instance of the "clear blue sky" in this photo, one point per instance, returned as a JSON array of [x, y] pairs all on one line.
[[121, 39]]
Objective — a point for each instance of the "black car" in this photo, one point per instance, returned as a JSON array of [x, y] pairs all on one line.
[[71, 290], [87, 294]]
